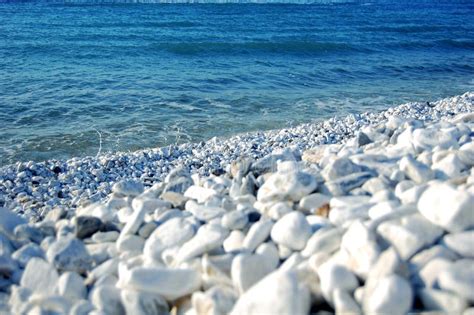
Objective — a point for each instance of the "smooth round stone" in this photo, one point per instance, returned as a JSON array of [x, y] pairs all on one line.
[[383, 208], [86, 226], [326, 239], [279, 209], [128, 188], [200, 194], [458, 280], [103, 237], [169, 283], [130, 243], [292, 230], [450, 167], [339, 168], [207, 213], [428, 275], [344, 303], [461, 243], [334, 277], [9, 221], [248, 269], [416, 171], [235, 220], [441, 300], [27, 252], [82, 307], [234, 241], [257, 234], [270, 251], [146, 229], [69, 254], [410, 234], [71, 286], [447, 207], [217, 300], [428, 138], [278, 293], [208, 237], [313, 202], [106, 298], [290, 185], [392, 295], [173, 232], [361, 245], [40, 277], [143, 303]]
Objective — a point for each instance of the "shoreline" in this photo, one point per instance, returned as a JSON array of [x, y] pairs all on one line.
[[380, 223], [34, 188]]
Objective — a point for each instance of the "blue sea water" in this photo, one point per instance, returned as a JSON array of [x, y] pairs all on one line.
[[147, 75]]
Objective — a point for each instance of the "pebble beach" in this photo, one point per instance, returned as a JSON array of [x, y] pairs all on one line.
[[370, 213]]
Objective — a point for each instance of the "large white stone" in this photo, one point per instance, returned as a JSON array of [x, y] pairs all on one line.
[[71, 285], [440, 300], [257, 234], [292, 230], [200, 194], [428, 138], [418, 261], [106, 298], [130, 243], [326, 239], [206, 213], [207, 238], [459, 279], [169, 283], [40, 277], [173, 232], [216, 300], [270, 252], [313, 202], [450, 166], [248, 269], [143, 303], [392, 295], [340, 167], [128, 188], [341, 216], [334, 276], [289, 185], [278, 293], [410, 234], [461, 243], [69, 254], [235, 220], [447, 207], [234, 241], [416, 171], [428, 275], [9, 221], [344, 303], [361, 245]]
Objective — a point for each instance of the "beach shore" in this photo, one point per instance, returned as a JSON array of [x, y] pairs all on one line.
[[369, 213], [34, 188]]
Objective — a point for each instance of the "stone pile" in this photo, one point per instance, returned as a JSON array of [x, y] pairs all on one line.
[[382, 224], [33, 189]]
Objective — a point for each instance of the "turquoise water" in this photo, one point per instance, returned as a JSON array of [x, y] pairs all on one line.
[[146, 75]]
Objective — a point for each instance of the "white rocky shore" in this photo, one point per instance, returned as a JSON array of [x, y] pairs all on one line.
[[382, 223], [33, 189]]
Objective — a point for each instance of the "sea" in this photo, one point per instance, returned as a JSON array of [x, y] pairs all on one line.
[[82, 77]]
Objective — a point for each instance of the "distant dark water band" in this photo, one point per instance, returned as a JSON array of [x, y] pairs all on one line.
[[197, 48]]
